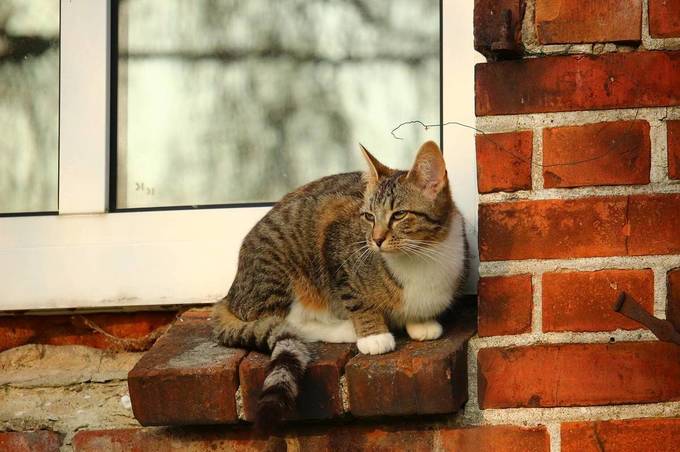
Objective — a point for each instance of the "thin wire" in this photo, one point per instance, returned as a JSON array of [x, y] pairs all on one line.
[[519, 157]]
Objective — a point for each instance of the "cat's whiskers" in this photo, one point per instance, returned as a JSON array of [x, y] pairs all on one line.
[[406, 251], [432, 244], [419, 254], [427, 253], [435, 248], [362, 259], [419, 251], [359, 250], [423, 245]]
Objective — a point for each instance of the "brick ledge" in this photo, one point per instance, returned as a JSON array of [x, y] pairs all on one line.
[[405, 436], [187, 379]]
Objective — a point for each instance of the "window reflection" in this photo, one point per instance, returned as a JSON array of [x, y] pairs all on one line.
[[228, 101], [29, 105]]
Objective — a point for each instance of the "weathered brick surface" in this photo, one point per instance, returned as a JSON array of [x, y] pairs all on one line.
[[673, 148], [569, 83], [186, 378], [202, 313], [498, 27], [425, 378], [132, 328], [499, 438], [576, 21], [504, 161], [320, 394], [582, 301], [415, 436], [407, 437], [579, 374], [664, 18], [673, 307], [632, 435], [559, 223], [36, 441], [418, 378], [587, 227], [654, 224], [608, 153], [552, 229], [187, 440], [505, 305]]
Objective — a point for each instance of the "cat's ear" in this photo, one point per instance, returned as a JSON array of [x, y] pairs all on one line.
[[429, 170], [376, 170]]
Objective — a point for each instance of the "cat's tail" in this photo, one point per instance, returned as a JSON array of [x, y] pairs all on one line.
[[289, 359]]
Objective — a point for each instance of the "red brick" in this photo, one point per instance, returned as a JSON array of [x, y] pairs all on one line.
[[664, 18], [631, 435], [608, 153], [673, 307], [320, 391], [588, 227], [202, 313], [498, 27], [415, 435], [582, 301], [418, 378], [497, 438], [36, 441], [579, 374], [654, 224], [552, 229], [133, 331], [576, 21], [381, 438], [673, 148], [505, 305], [504, 161], [571, 83], [157, 440], [186, 378]]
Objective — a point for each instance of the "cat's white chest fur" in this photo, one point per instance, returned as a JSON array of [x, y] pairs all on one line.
[[429, 284]]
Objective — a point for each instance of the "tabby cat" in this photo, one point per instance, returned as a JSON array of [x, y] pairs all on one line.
[[343, 259]]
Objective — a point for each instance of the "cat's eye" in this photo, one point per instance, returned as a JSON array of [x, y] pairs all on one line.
[[399, 214], [368, 216]]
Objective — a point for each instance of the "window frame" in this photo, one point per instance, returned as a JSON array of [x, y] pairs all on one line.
[[93, 255]]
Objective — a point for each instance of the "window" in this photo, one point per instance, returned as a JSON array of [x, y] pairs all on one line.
[[215, 98], [165, 105], [29, 105]]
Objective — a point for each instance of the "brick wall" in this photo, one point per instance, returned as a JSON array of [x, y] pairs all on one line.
[[119, 331], [579, 181]]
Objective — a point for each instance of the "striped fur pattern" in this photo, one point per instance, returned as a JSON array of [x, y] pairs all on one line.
[[345, 259]]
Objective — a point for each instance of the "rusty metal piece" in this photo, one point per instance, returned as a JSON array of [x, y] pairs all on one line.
[[662, 329], [498, 28]]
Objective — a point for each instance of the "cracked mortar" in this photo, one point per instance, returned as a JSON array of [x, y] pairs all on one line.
[[533, 47], [64, 389]]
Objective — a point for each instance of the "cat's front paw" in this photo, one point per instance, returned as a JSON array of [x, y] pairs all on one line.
[[376, 344], [424, 331]]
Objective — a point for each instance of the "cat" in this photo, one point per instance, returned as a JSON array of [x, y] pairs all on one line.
[[344, 259]]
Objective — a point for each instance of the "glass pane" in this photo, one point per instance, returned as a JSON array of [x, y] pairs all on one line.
[[231, 101], [29, 105]]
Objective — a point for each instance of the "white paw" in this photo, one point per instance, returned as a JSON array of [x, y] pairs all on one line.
[[424, 331], [375, 344]]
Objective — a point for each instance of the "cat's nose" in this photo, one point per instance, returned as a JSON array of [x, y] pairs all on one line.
[[379, 241]]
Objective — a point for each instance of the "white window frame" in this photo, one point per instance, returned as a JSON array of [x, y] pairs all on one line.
[[85, 257]]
